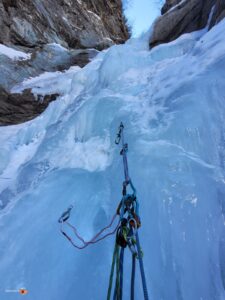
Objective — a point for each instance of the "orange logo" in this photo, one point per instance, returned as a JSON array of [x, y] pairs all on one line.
[[23, 291]]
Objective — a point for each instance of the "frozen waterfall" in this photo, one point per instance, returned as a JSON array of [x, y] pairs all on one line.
[[172, 102]]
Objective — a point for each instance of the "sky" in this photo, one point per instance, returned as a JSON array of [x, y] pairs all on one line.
[[141, 14]]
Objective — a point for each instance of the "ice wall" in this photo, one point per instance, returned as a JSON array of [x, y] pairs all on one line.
[[171, 101]]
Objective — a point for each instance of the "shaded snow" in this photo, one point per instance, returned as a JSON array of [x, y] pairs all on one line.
[[13, 54]]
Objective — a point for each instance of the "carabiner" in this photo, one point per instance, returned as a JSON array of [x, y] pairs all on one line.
[[118, 137], [65, 216]]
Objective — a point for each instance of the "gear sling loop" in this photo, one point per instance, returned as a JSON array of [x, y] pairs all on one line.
[[127, 232]]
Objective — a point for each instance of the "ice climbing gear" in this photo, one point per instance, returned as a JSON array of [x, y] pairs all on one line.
[[133, 277], [123, 152], [63, 220], [127, 232], [65, 216], [115, 254], [144, 285]]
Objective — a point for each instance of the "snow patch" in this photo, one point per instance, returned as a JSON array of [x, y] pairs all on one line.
[[92, 155], [14, 54], [58, 82]]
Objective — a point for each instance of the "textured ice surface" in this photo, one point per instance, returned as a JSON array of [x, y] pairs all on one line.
[[172, 103]]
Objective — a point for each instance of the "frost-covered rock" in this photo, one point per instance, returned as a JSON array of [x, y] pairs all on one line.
[[183, 16], [16, 66], [53, 35], [50, 57], [71, 23], [219, 13]]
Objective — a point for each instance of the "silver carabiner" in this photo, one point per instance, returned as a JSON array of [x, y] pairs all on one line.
[[118, 137], [65, 216]]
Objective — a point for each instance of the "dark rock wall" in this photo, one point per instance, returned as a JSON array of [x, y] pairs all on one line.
[[18, 108], [219, 13], [33, 26], [71, 23], [168, 5], [179, 17]]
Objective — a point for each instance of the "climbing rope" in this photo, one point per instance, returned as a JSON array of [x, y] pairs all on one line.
[[127, 232], [133, 277], [142, 268], [116, 249], [121, 272]]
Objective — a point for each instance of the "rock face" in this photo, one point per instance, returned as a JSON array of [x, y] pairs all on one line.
[[42, 27], [48, 58], [219, 13], [18, 108], [71, 23], [179, 17], [168, 5]]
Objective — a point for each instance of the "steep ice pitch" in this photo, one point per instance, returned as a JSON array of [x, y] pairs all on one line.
[[172, 103]]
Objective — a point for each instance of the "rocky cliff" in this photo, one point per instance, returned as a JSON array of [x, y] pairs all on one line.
[[183, 16], [71, 23], [57, 34]]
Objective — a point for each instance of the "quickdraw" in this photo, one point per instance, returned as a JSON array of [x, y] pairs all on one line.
[[101, 235], [127, 232]]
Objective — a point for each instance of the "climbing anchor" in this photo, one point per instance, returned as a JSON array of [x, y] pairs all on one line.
[[127, 232]]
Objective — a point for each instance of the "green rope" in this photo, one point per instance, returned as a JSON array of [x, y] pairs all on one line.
[[127, 233], [117, 284], [115, 254]]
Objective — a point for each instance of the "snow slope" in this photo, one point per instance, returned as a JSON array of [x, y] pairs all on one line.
[[172, 103], [13, 54]]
